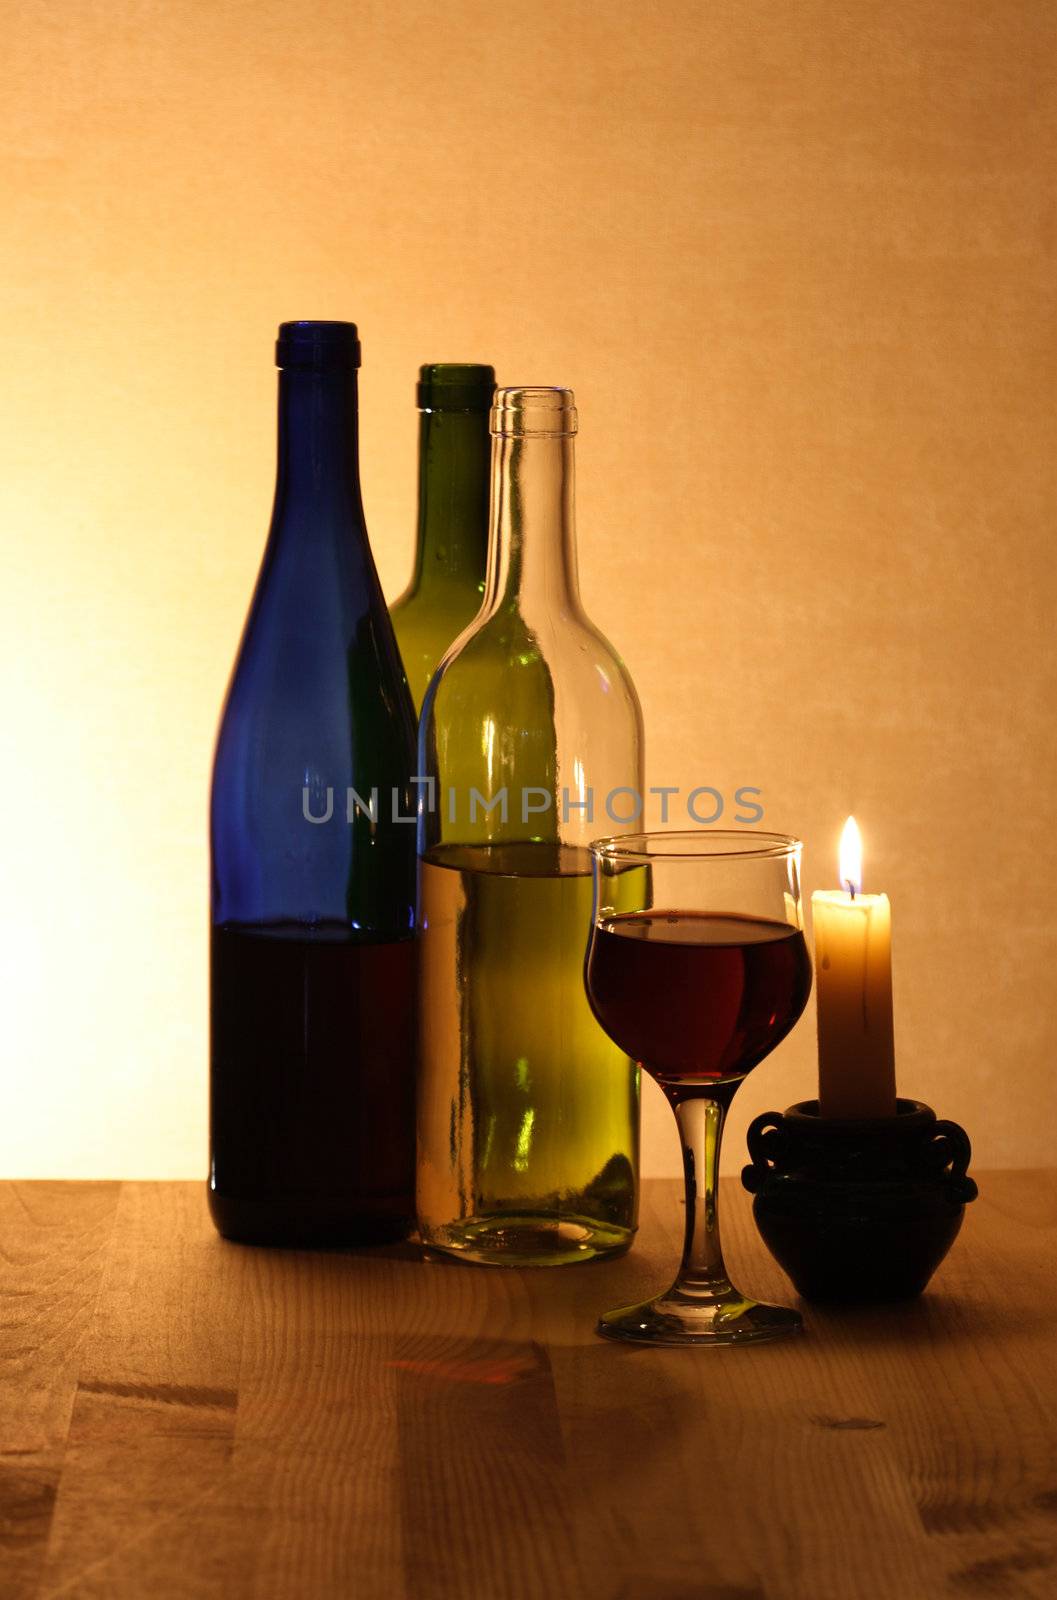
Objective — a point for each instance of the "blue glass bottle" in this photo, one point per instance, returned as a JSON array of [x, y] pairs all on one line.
[[314, 946]]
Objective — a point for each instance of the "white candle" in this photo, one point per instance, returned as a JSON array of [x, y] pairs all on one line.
[[853, 979]]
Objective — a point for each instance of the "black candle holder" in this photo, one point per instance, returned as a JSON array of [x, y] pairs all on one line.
[[858, 1209]]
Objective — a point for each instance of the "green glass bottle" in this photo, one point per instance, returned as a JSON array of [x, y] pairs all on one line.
[[528, 1115], [451, 551]]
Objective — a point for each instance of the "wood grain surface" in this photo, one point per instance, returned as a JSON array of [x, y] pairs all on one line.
[[180, 1417]]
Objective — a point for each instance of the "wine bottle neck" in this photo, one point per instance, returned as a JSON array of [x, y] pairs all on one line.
[[532, 551], [318, 441], [453, 470]]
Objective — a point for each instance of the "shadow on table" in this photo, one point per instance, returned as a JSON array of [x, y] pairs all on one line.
[[937, 1318]]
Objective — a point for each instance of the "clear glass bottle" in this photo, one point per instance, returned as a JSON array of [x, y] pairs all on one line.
[[451, 551], [531, 732]]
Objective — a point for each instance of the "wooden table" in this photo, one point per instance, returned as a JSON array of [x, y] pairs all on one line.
[[184, 1417]]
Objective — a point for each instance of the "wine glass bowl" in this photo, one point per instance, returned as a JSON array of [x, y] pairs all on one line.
[[697, 967]]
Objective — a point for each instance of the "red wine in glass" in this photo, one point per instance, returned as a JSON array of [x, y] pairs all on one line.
[[695, 997], [697, 967]]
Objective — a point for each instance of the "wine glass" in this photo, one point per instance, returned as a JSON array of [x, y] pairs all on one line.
[[697, 967]]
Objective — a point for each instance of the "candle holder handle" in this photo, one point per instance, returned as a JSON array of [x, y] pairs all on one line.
[[954, 1152], [858, 1208], [767, 1149]]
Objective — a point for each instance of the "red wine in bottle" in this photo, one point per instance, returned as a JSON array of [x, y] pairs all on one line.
[[312, 1099], [697, 998]]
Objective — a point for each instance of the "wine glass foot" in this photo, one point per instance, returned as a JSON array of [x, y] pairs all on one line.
[[675, 1318]]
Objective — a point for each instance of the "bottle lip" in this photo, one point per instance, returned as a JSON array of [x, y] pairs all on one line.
[[533, 411], [318, 346], [455, 386]]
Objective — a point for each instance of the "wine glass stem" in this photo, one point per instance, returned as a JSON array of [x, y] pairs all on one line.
[[702, 1274]]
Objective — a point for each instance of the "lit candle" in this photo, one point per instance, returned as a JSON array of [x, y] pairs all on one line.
[[853, 976]]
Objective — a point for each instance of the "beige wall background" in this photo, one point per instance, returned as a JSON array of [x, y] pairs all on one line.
[[796, 259]]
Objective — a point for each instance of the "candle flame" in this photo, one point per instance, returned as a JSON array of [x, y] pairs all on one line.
[[851, 858]]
